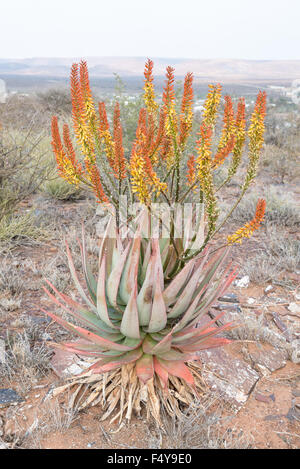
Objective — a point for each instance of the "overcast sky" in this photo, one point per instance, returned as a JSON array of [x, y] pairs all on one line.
[[249, 29]]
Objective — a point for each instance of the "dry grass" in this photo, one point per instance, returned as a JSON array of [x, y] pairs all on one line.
[[278, 253], [281, 210], [27, 356], [61, 190], [200, 427]]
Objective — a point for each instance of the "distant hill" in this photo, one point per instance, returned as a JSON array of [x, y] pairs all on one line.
[[225, 70]]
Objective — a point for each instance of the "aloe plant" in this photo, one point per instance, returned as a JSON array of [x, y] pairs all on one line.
[[132, 314]]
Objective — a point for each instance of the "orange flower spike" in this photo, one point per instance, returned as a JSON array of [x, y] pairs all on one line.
[[120, 161], [76, 95], [166, 153], [204, 175], [66, 166], [247, 230], [256, 136], [105, 135], [191, 173], [186, 116], [68, 144], [257, 127], [211, 105], [151, 140], [228, 123], [94, 176], [142, 123], [169, 103], [149, 95], [240, 137], [223, 153], [90, 113], [81, 129], [138, 176], [103, 122]]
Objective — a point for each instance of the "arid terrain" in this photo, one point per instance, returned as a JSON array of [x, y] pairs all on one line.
[[251, 392]]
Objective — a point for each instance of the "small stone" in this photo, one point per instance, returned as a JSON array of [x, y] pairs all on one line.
[[262, 398], [294, 308], [2, 351], [228, 306], [9, 397], [229, 298], [269, 289], [251, 301], [295, 355], [242, 282], [297, 402]]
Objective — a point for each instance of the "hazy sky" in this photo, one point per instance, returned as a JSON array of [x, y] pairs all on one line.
[[250, 29]]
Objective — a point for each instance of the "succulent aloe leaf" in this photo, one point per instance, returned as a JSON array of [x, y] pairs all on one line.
[[211, 268], [101, 295], [114, 278], [80, 350], [171, 292], [144, 299], [158, 318], [178, 369], [217, 291], [108, 242], [161, 372], [197, 334], [81, 346], [186, 296], [133, 343], [94, 338], [89, 277], [188, 315], [76, 281], [149, 344], [87, 317], [163, 345], [174, 355], [146, 259], [90, 322], [145, 368], [130, 321], [211, 342], [130, 271], [159, 266], [199, 240], [111, 363]]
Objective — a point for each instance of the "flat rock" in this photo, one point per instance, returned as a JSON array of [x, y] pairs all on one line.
[[62, 360], [231, 377], [269, 360], [66, 364], [9, 397]]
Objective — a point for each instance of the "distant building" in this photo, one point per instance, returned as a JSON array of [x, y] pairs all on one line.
[[295, 91], [3, 92], [292, 92]]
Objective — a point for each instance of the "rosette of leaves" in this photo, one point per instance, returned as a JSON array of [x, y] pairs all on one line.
[[141, 327]]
